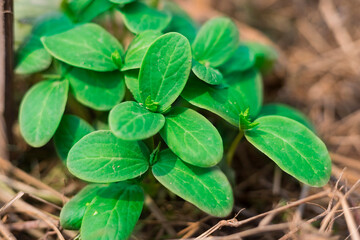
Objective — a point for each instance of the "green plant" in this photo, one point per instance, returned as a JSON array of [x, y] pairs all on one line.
[[168, 58]]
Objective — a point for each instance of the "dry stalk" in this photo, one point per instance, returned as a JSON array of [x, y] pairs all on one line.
[[235, 223]]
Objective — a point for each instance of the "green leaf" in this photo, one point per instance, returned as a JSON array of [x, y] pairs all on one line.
[[137, 49], [113, 213], [207, 74], [86, 10], [98, 90], [243, 59], [293, 147], [180, 21], [32, 56], [69, 132], [132, 83], [86, 46], [72, 213], [265, 56], [122, 1], [138, 17], [101, 157], [76, 6], [216, 41], [51, 24], [165, 69], [283, 110], [130, 121], [41, 110], [192, 137], [206, 188], [245, 90]]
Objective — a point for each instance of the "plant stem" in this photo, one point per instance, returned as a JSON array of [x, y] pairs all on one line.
[[231, 152]]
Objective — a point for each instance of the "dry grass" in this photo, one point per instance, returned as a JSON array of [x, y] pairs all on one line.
[[318, 73]]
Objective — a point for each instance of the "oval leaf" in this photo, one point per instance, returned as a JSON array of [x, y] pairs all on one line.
[[138, 17], [243, 59], [32, 56], [130, 121], [85, 10], [165, 70], [216, 41], [207, 74], [41, 110], [87, 46], [72, 213], [137, 49], [244, 90], [113, 213], [283, 110], [293, 147], [192, 137], [180, 22], [206, 188], [98, 90], [70, 131], [101, 157]]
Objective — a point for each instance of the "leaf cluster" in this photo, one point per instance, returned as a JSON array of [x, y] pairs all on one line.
[[169, 60]]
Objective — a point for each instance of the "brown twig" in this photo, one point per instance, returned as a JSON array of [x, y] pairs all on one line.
[[31, 211], [349, 218], [330, 215], [7, 235], [235, 223], [333, 20], [158, 215], [20, 174], [9, 203]]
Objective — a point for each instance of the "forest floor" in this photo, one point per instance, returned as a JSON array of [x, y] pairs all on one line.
[[318, 73]]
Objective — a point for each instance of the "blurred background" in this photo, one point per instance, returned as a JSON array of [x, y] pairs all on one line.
[[318, 72]]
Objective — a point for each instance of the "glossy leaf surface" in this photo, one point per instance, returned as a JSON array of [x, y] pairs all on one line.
[[192, 137], [72, 213], [165, 70], [293, 147], [86, 46], [41, 110], [216, 41], [69, 132], [206, 188], [245, 90], [113, 213], [207, 74], [137, 49], [98, 90], [130, 121], [101, 157], [138, 17], [279, 109]]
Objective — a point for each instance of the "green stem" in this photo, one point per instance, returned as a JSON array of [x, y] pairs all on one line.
[[231, 152]]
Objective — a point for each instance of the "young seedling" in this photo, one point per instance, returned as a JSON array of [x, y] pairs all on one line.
[[211, 69]]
